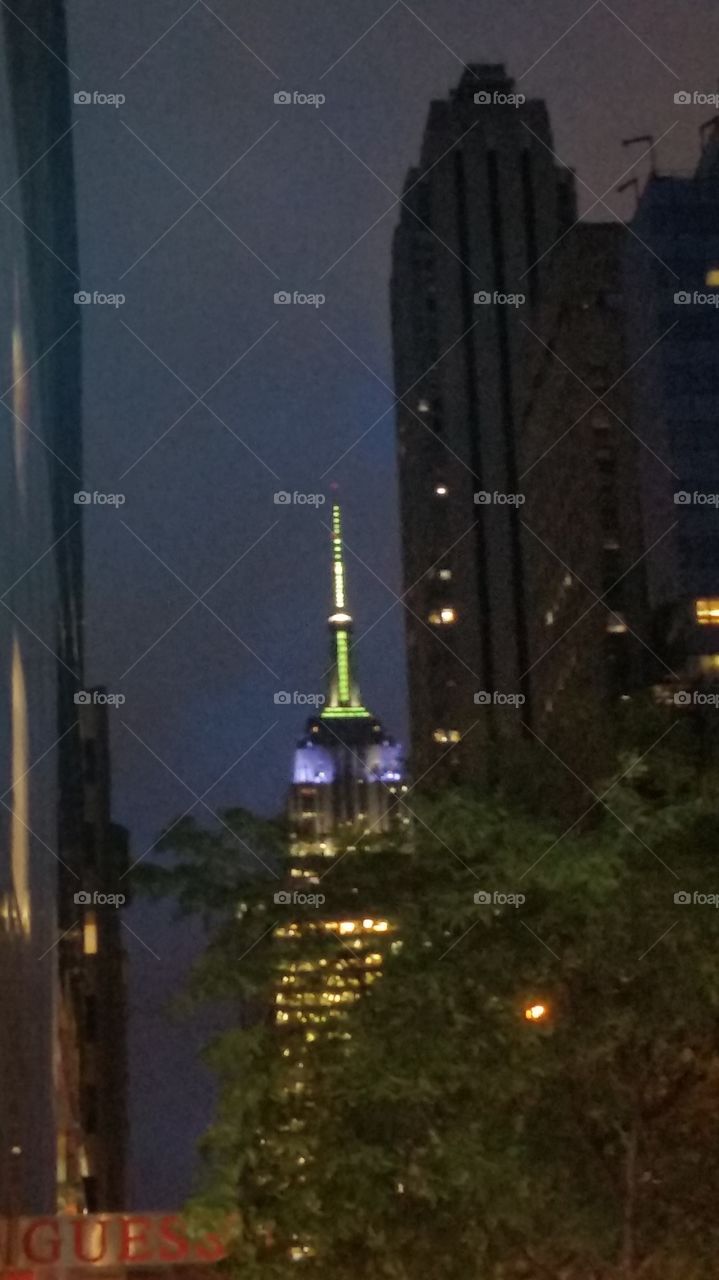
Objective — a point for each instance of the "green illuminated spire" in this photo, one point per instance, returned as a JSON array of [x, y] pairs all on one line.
[[344, 699]]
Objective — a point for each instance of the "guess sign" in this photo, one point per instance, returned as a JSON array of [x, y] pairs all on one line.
[[108, 1240]]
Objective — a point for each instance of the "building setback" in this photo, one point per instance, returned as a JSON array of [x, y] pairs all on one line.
[[479, 215]]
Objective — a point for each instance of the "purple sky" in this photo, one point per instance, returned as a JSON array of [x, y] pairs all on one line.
[[199, 100]]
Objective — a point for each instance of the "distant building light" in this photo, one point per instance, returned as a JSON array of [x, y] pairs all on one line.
[[441, 490], [347, 926], [709, 663], [567, 580], [423, 406], [444, 574], [712, 277], [446, 735], [549, 618], [535, 1012], [707, 612], [616, 626]]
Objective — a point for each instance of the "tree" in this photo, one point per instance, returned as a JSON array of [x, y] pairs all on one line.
[[452, 1132]]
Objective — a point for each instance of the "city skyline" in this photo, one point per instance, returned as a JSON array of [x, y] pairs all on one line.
[[200, 199]]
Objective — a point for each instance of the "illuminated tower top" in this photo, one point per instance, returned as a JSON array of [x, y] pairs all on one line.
[[346, 765], [344, 697]]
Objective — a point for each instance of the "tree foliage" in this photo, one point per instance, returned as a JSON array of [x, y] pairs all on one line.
[[451, 1134]]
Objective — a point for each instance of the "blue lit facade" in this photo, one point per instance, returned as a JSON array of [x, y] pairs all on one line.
[[671, 284]]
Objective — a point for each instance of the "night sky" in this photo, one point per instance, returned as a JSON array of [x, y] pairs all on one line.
[[295, 390]]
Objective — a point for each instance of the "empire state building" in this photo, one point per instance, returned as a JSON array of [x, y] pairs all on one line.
[[347, 787], [347, 770]]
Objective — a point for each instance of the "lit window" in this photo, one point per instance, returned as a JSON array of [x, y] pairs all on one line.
[[423, 406], [709, 663], [567, 580], [443, 617], [347, 926], [707, 612], [712, 276], [616, 626], [89, 934], [549, 618], [445, 574], [446, 735], [441, 490]]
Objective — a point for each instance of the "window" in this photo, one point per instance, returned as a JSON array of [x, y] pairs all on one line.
[[443, 617], [89, 934], [712, 276], [447, 735], [441, 490], [444, 574], [709, 664], [707, 612]]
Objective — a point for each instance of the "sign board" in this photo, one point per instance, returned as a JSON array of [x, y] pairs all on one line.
[[104, 1240]]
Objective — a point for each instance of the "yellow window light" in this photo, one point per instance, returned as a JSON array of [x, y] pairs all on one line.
[[707, 611], [89, 934], [712, 277]]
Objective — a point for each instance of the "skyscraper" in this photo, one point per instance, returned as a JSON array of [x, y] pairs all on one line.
[[582, 530], [672, 290], [478, 217], [348, 780], [51, 809], [40, 560]]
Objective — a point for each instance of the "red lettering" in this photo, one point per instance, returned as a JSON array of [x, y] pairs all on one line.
[[171, 1232], [97, 1231], [133, 1241], [50, 1254]]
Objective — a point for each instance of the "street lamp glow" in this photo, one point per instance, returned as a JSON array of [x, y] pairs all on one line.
[[535, 1012]]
